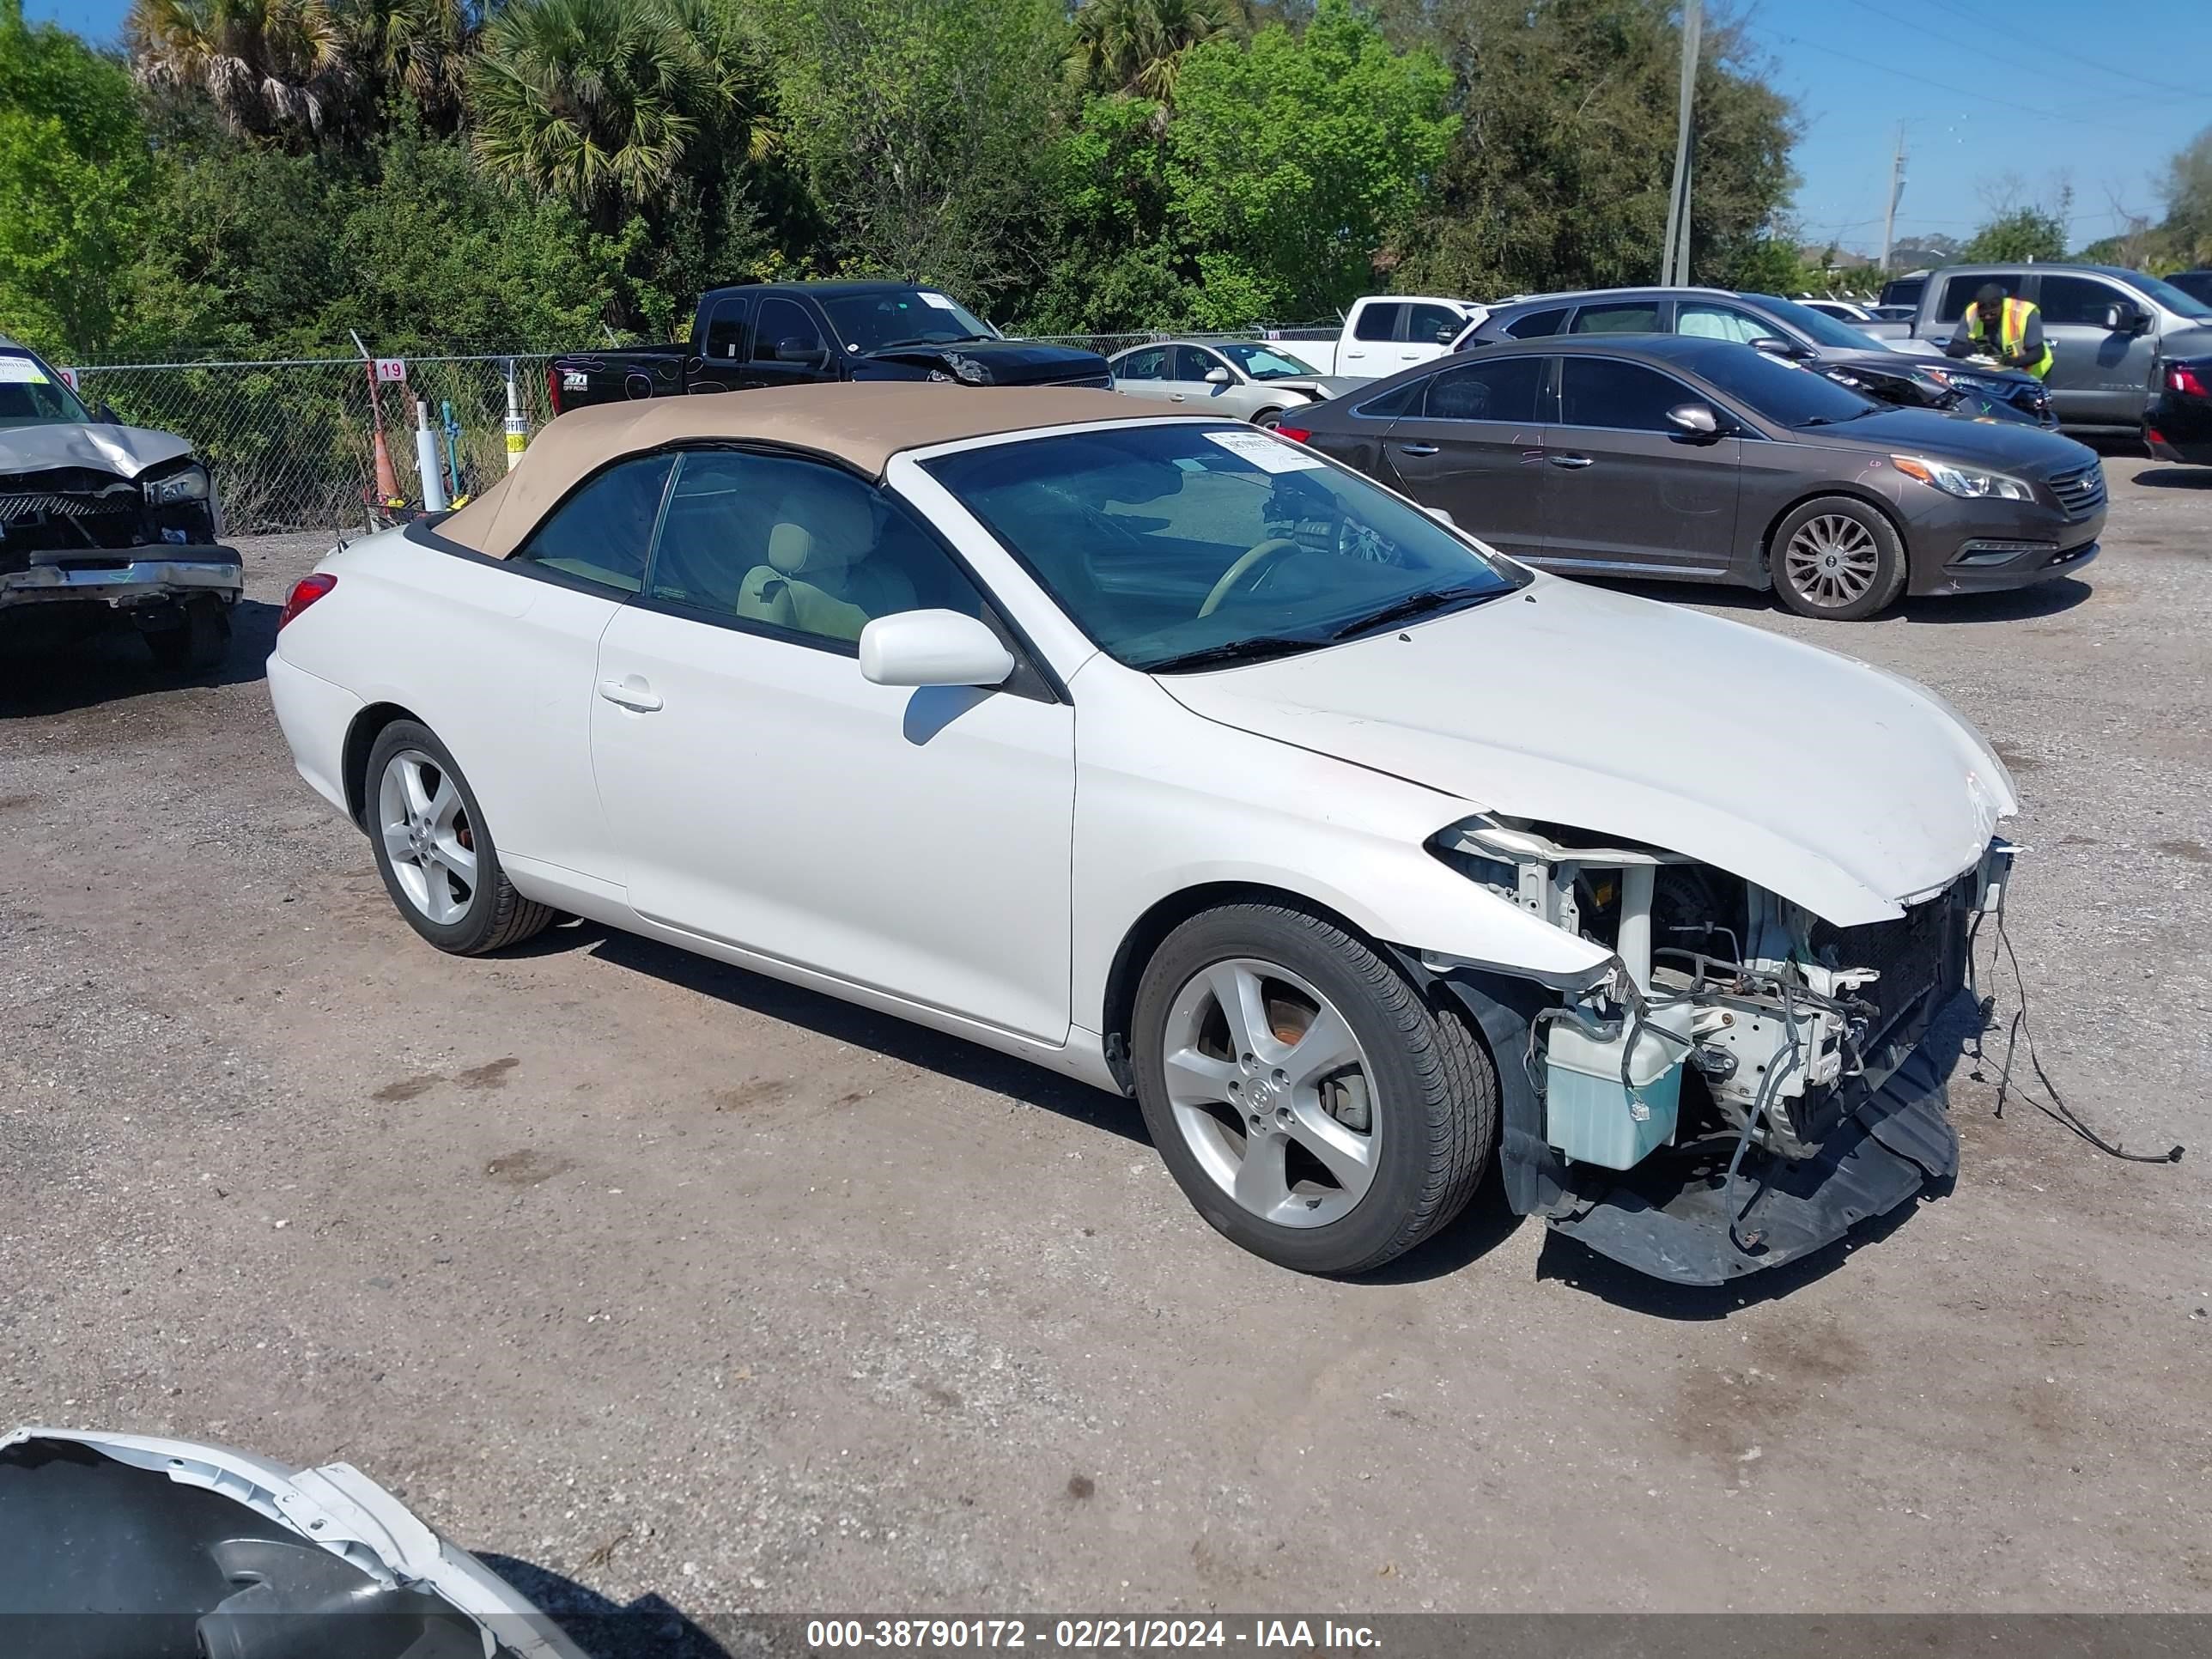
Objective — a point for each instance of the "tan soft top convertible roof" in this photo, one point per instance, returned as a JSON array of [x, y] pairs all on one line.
[[861, 425]]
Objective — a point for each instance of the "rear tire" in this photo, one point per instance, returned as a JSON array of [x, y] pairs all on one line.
[[1334, 1162], [1838, 559], [433, 850], [199, 640]]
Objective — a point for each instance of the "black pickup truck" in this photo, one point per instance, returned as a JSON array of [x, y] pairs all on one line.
[[766, 334]]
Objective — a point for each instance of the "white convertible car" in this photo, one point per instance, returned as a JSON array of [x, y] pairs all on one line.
[[1166, 753]]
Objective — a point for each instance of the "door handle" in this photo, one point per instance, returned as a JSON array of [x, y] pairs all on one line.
[[1568, 460], [1416, 449], [1175, 397], [631, 693]]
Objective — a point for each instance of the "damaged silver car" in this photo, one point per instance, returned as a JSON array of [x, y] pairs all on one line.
[[102, 523], [136, 1547]]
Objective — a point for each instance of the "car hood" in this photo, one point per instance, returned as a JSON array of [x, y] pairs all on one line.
[[1000, 362], [2004, 448], [1838, 785], [124, 450]]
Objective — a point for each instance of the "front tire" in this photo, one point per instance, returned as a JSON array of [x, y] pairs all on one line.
[[1838, 558], [1307, 1099], [433, 850], [1266, 417]]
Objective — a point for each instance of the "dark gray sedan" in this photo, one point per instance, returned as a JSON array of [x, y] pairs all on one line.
[[1703, 460]]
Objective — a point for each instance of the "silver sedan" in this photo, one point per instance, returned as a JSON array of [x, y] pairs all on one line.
[[1246, 379]]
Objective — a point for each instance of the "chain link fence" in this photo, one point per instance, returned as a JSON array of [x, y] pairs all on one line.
[[289, 439]]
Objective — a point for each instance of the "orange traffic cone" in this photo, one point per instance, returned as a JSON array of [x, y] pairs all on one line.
[[387, 481]]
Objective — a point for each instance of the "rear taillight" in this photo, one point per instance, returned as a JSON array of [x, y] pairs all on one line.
[[2187, 379], [305, 592], [553, 388], [1297, 435]]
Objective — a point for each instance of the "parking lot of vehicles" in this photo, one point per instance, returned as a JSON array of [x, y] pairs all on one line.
[[1909, 374], [2113, 332], [683, 1290], [106, 525], [1247, 380], [1689, 458], [767, 335]]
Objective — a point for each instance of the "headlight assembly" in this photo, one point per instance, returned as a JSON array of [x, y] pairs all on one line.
[[1959, 481], [186, 483]]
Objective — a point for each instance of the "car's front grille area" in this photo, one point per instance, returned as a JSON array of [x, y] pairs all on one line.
[[1912, 954], [2081, 492]]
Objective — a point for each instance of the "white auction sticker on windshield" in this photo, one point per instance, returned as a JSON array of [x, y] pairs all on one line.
[[21, 371], [937, 300], [1268, 454]]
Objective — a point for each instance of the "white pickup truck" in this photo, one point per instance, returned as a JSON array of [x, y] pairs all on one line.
[[1385, 332]]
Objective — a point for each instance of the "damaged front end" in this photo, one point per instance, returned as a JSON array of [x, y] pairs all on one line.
[[1742, 1082], [116, 1545]]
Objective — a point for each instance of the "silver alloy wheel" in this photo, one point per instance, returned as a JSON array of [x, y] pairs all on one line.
[[427, 836], [1271, 1092], [1833, 561]]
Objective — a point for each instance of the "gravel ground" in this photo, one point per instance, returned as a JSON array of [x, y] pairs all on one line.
[[664, 1286]]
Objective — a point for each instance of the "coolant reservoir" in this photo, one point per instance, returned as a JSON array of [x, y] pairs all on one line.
[[1588, 1115]]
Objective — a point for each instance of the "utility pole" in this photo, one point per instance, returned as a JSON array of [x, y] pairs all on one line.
[[1896, 194], [1674, 253]]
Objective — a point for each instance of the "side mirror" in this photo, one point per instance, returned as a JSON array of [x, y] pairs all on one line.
[[1449, 333], [106, 415], [933, 647], [808, 354], [1695, 421], [1217, 375], [1775, 346], [2122, 318]]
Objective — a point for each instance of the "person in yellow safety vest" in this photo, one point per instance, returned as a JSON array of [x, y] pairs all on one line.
[[2018, 344]]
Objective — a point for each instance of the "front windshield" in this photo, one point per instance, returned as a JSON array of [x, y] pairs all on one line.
[[1264, 363], [901, 316], [2179, 301], [30, 394], [1783, 393], [1818, 326], [1180, 546]]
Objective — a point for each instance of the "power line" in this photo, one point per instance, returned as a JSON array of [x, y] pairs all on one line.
[[2072, 56], [2011, 104]]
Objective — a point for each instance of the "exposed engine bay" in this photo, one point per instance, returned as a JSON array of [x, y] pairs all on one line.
[[1738, 1045]]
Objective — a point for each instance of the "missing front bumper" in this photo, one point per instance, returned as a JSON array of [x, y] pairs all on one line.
[[1670, 1217]]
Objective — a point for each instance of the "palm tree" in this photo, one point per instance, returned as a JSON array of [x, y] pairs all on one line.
[[420, 46], [272, 68], [600, 101], [1137, 46]]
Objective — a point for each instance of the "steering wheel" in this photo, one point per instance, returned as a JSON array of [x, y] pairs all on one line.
[[1251, 559]]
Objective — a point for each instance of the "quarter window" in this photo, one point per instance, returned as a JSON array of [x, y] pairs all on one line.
[[1538, 324], [796, 547], [1495, 389], [1626, 397], [601, 532]]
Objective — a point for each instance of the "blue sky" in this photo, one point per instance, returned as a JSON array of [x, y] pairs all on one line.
[[2045, 91]]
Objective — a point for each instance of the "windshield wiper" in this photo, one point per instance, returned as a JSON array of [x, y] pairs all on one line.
[[1258, 649], [931, 340], [1415, 605], [1825, 420]]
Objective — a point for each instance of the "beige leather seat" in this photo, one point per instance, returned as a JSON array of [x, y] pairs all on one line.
[[822, 576]]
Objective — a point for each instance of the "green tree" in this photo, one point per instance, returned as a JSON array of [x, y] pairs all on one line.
[[1137, 46], [922, 128], [2187, 231], [74, 176], [1293, 161], [1561, 170], [273, 68], [2011, 238]]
